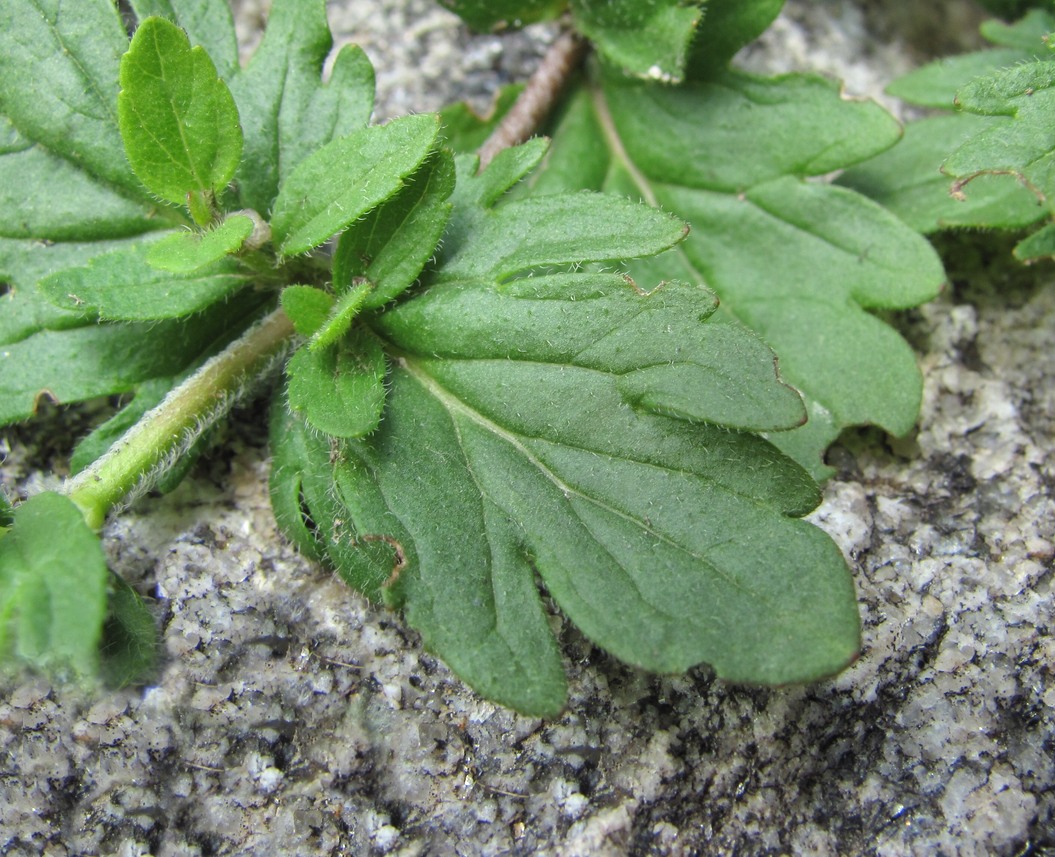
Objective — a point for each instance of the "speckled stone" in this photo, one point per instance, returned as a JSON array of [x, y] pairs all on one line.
[[293, 718]]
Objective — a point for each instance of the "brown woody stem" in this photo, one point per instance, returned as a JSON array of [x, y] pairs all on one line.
[[536, 101]]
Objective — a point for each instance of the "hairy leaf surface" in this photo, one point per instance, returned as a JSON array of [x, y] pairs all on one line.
[[206, 22], [178, 120], [800, 262], [59, 65], [287, 111], [124, 286], [347, 178], [648, 39], [546, 415]]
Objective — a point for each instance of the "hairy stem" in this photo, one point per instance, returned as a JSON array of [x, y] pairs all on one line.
[[164, 433], [537, 100]]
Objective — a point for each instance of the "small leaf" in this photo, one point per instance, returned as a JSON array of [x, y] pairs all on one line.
[[129, 646], [7, 517], [647, 38], [287, 111], [465, 130], [347, 178], [390, 246], [307, 307], [178, 120], [123, 286], [184, 252], [340, 390], [53, 579], [343, 312], [206, 22]]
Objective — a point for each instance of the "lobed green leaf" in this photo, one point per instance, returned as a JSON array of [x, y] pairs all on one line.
[[287, 110], [797, 261]]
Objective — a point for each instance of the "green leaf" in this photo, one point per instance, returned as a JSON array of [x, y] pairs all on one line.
[[74, 363], [123, 286], [1024, 147], [206, 22], [500, 15], [307, 307], [340, 390], [727, 26], [649, 39], [390, 246], [936, 84], [1039, 245], [547, 416], [53, 579], [798, 261], [185, 252], [908, 181], [59, 66], [347, 178], [178, 120], [342, 313], [287, 112], [129, 647], [84, 210]]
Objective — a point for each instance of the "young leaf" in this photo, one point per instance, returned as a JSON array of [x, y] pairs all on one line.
[[178, 120], [287, 112], [53, 580], [123, 286], [184, 252], [59, 66], [340, 389], [799, 262], [307, 307], [348, 178], [206, 22], [390, 246], [648, 39]]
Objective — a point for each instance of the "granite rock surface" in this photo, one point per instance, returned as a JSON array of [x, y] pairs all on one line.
[[294, 718]]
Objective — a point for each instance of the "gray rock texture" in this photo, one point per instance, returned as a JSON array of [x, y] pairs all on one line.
[[294, 718]]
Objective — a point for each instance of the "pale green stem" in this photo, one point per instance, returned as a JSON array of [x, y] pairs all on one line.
[[165, 432]]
